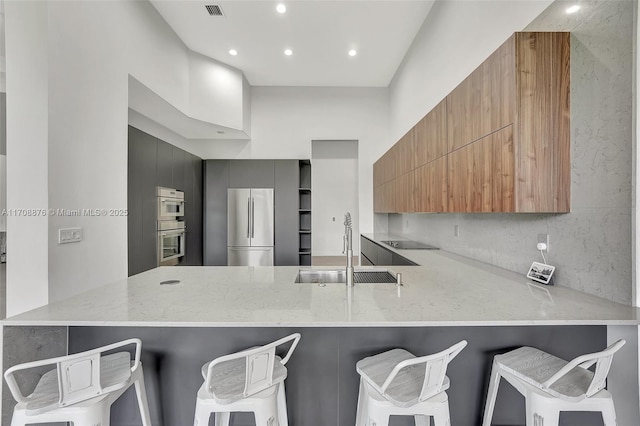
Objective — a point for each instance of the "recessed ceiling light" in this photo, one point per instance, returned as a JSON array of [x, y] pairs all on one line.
[[288, 52], [281, 8], [353, 52], [233, 52], [573, 9]]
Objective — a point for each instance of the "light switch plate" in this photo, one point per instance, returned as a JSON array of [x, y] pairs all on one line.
[[69, 235]]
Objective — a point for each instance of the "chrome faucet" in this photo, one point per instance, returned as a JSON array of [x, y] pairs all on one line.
[[347, 248]]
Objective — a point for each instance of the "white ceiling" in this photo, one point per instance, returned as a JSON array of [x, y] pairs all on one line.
[[320, 33]]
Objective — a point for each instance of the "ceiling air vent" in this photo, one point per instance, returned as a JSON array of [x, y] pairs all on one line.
[[214, 10]]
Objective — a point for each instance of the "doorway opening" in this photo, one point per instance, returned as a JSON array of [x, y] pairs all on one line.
[[334, 178]]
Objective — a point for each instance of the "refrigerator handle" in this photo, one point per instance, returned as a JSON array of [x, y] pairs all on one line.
[[253, 217], [248, 217]]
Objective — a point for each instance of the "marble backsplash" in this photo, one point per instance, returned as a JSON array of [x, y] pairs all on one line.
[[591, 246]]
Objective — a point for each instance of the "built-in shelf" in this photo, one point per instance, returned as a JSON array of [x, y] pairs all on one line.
[[304, 212]]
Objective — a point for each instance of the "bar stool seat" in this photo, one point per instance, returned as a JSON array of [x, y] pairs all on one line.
[[251, 380], [81, 389], [551, 385], [397, 382]]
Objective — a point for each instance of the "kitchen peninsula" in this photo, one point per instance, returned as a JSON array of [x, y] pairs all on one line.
[[216, 310]]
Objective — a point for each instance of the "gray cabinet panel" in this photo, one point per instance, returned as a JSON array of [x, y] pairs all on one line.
[[251, 174], [385, 257], [400, 260], [164, 169], [179, 169], [141, 201], [193, 212], [216, 182], [375, 254], [153, 163], [369, 249], [286, 212], [148, 168], [134, 202]]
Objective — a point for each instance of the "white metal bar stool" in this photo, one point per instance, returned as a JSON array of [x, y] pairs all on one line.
[[398, 383], [81, 387], [550, 384], [251, 380]]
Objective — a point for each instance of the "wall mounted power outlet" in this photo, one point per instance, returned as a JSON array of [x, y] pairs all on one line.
[[544, 239], [69, 235]]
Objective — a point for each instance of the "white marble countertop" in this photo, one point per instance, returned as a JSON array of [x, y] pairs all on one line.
[[446, 290]]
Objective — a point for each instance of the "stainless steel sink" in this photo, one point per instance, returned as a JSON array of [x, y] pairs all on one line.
[[339, 276]]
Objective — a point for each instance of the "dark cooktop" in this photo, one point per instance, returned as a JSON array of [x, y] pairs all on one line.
[[409, 245]]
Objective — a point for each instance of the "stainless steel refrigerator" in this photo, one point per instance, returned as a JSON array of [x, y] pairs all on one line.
[[250, 227]]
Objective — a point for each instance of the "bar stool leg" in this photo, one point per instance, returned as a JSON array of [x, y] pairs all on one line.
[[222, 418], [541, 412], [377, 416], [202, 415], [421, 420], [441, 415], [492, 393], [361, 410], [266, 412], [141, 395], [282, 406], [609, 414]]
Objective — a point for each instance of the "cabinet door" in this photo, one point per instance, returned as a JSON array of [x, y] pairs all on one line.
[[215, 184], [405, 154], [481, 175], [286, 207], [142, 201], [463, 112], [164, 167], [543, 126], [485, 101], [389, 165], [396, 259], [369, 249], [431, 135], [251, 174], [378, 178], [385, 257], [431, 187], [388, 204], [405, 193]]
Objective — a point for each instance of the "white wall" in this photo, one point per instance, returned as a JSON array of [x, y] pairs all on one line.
[[334, 191], [68, 65], [215, 92], [27, 145], [286, 119]]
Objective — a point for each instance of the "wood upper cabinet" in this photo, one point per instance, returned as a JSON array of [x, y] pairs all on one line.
[[499, 142], [430, 181], [405, 193], [484, 102], [542, 132], [481, 175], [431, 135], [405, 153]]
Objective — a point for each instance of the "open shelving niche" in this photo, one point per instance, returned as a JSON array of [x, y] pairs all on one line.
[[304, 213]]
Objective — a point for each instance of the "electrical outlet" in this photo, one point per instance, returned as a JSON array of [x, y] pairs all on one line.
[[544, 238], [456, 231], [69, 235]]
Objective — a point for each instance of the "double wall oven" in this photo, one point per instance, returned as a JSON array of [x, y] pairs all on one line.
[[171, 227]]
